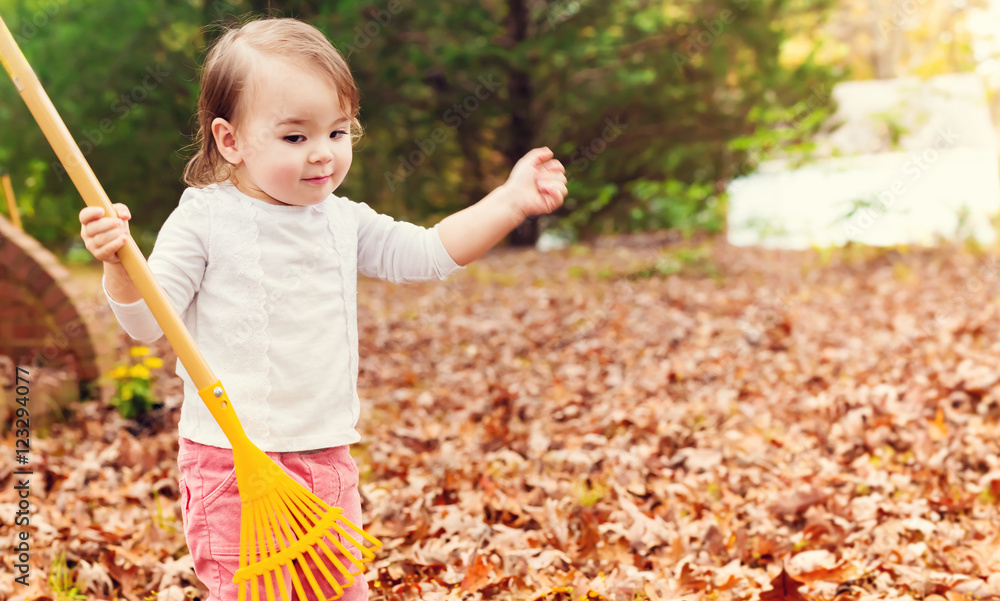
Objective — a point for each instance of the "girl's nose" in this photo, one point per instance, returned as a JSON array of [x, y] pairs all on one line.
[[322, 153]]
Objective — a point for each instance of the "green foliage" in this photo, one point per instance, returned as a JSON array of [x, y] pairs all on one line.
[[124, 87], [653, 106], [672, 203], [77, 254], [894, 124], [652, 109], [134, 394], [63, 585], [589, 492], [691, 262], [165, 523]]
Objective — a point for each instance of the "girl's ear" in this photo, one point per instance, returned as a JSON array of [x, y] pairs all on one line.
[[225, 140]]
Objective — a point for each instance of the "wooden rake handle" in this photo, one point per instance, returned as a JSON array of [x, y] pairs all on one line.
[[131, 257]]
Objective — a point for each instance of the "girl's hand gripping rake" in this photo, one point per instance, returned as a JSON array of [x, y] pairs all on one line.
[[283, 524]]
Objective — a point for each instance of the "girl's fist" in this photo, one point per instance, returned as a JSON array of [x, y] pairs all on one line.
[[538, 183], [104, 236]]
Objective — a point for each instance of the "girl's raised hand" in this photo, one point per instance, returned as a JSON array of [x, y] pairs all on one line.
[[537, 183], [104, 236]]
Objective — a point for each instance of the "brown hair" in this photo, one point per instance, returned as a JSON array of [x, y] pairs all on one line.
[[227, 74]]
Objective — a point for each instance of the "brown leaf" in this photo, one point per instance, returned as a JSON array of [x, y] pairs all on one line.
[[797, 502], [478, 575], [689, 582], [768, 548], [715, 544], [937, 429], [842, 572], [590, 534], [126, 575], [783, 588]]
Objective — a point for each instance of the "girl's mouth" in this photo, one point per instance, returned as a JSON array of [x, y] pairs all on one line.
[[319, 180]]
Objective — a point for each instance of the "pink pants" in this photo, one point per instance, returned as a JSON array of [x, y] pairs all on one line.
[[210, 510]]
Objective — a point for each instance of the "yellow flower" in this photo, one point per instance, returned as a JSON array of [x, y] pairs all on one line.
[[139, 351], [119, 372], [139, 371], [153, 362]]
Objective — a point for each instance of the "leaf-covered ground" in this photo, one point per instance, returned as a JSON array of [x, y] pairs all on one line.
[[723, 424]]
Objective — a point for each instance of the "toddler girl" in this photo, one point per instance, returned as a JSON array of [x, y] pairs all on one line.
[[260, 259]]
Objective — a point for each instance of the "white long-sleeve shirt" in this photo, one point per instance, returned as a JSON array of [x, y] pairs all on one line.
[[269, 294]]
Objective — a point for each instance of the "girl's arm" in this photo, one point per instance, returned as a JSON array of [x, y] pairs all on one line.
[[118, 284], [536, 185], [469, 233], [178, 262], [398, 251]]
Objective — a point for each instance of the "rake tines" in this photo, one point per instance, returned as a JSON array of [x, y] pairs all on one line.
[[289, 532]]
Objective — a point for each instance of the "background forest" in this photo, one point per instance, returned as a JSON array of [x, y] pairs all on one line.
[[653, 106], [645, 415]]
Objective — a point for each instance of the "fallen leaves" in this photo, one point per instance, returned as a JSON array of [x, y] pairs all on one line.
[[797, 427], [477, 574], [796, 503], [783, 588]]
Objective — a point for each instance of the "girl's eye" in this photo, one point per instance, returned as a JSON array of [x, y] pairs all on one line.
[[294, 139], [338, 134]]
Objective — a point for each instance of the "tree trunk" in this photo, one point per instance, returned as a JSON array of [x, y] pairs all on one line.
[[525, 234], [887, 39], [521, 95]]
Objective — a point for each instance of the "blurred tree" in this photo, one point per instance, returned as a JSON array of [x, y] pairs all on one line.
[[121, 76], [885, 39], [641, 99], [652, 94]]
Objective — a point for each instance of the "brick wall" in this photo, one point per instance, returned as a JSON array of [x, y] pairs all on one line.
[[40, 321]]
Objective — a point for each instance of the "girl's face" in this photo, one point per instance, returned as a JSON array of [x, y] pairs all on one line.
[[292, 144]]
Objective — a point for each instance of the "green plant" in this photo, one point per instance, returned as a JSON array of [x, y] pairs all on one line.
[[589, 492], [134, 394], [167, 524], [893, 121], [766, 228], [63, 585], [688, 207], [77, 254], [694, 261]]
